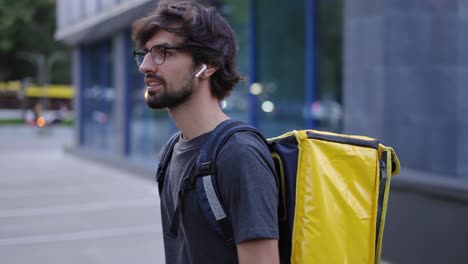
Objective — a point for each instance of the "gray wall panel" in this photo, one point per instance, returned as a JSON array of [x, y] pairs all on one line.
[[406, 38], [403, 72], [462, 144], [420, 107], [463, 9], [462, 122], [424, 229], [462, 42]]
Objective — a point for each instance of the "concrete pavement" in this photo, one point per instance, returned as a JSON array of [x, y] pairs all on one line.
[[57, 208]]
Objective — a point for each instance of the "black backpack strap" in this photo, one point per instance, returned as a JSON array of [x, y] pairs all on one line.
[[164, 160], [209, 151], [205, 181], [209, 197]]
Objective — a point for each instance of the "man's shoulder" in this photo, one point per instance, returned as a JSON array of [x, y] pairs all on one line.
[[244, 146], [245, 139]]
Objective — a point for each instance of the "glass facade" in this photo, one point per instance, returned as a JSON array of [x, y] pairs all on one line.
[[273, 54], [236, 12], [280, 88], [328, 58], [98, 97]]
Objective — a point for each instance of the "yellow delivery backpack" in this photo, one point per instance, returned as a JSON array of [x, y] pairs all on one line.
[[333, 193]]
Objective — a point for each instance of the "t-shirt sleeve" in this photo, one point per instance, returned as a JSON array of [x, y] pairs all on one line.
[[248, 188]]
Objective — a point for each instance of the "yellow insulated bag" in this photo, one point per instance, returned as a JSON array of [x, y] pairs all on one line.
[[333, 193]]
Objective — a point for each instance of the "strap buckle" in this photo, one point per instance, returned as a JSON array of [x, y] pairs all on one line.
[[205, 168]]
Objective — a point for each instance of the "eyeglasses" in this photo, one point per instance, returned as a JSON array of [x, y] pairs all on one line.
[[158, 53]]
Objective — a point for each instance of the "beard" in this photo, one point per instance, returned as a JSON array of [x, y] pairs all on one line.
[[170, 97]]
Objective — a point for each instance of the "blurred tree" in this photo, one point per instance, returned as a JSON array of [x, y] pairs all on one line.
[[27, 28]]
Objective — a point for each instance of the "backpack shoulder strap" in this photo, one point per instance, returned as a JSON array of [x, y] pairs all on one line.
[[209, 197], [208, 153], [165, 159], [205, 181]]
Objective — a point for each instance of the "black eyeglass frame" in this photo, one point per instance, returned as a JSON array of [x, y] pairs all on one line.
[[140, 53]]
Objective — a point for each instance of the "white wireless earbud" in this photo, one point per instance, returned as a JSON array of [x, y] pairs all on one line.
[[203, 68]]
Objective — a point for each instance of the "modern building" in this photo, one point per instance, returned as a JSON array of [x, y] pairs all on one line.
[[276, 56], [402, 78]]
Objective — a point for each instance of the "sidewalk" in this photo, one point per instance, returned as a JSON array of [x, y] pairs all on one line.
[[57, 208]]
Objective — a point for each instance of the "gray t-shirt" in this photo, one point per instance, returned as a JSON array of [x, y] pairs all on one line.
[[249, 193]]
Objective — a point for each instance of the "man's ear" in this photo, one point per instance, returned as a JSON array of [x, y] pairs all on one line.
[[205, 71]]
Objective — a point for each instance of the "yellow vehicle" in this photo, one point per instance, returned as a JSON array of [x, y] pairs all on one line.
[[45, 104]]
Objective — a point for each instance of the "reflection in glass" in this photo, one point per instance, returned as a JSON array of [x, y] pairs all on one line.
[[281, 64], [99, 127]]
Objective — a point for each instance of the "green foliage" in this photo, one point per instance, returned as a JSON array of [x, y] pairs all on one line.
[[11, 121], [27, 26]]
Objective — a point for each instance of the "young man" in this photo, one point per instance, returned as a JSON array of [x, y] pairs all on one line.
[[187, 53]]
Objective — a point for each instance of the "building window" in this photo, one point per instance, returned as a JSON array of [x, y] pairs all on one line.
[[99, 126], [329, 31], [280, 87], [236, 105]]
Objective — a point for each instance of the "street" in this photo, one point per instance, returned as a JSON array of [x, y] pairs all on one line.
[[57, 208]]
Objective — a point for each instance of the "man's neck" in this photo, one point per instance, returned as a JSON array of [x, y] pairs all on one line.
[[197, 116]]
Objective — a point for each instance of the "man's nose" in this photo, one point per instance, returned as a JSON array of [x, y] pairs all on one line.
[[147, 65]]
